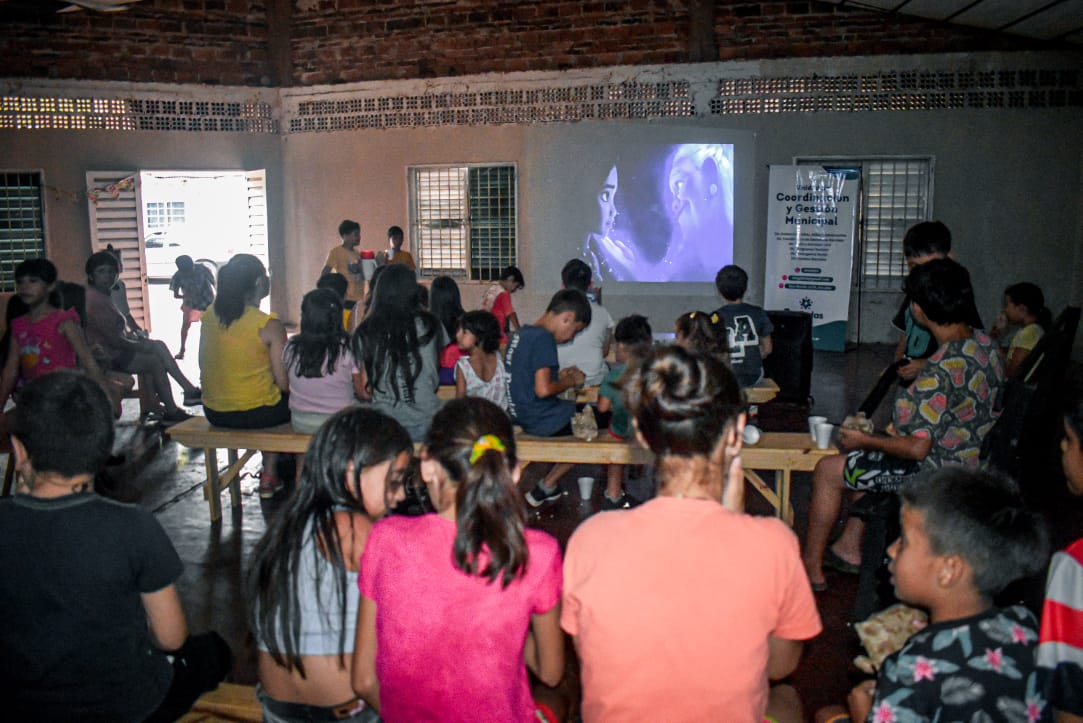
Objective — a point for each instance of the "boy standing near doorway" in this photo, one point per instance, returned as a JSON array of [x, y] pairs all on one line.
[[194, 284]]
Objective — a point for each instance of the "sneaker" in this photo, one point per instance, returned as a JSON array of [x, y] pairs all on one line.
[[193, 398], [269, 485], [624, 502], [539, 495]]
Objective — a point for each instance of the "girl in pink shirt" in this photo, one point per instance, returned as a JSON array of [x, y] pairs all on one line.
[[46, 338], [454, 603]]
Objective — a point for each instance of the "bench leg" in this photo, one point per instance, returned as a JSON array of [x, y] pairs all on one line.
[[778, 496], [785, 507], [235, 481], [210, 486]]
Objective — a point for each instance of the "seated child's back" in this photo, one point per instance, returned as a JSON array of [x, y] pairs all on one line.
[[748, 329]]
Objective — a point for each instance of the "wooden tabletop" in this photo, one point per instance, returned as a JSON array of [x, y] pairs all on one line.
[[775, 450]]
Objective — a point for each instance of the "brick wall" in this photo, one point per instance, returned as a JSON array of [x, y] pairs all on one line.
[[337, 41], [170, 41], [340, 41]]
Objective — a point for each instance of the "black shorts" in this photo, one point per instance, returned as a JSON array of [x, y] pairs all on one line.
[[869, 471], [123, 360], [258, 418]]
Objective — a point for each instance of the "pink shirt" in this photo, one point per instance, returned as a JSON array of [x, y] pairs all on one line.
[[40, 345], [671, 605], [450, 645]]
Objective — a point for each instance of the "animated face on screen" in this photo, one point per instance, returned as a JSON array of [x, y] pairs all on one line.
[[609, 258], [699, 180], [672, 220]]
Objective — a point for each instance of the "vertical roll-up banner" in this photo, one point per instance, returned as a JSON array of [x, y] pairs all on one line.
[[811, 216]]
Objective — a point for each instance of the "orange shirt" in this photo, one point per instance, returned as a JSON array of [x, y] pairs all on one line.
[[671, 605]]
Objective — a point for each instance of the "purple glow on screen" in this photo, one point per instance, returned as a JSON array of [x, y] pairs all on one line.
[[660, 214]]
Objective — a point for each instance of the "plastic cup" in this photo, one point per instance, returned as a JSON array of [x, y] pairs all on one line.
[[751, 434], [586, 487], [823, 435], [812, 422]]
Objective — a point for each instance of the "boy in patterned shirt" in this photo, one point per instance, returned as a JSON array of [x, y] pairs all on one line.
[[965, 536], [940, 419]]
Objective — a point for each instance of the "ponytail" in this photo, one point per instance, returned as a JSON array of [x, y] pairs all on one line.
[[472, 439], [490, 519]]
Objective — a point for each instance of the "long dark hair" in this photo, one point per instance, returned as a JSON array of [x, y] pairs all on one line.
[[237, 279], [446, 303], [1030, 296], [359, 435], [489, 512], [390, 338], [316, 350]]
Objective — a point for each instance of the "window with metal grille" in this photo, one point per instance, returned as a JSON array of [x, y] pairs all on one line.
[[896, 193], [22, 228], [463, 220], [160, 215]]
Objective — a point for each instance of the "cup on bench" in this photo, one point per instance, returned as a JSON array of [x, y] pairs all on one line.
[[812, 422], [823, 434]]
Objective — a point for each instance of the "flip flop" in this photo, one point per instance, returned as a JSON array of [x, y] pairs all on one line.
[[836, 563]]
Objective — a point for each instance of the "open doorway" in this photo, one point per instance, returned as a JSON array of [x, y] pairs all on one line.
[[207, 215]]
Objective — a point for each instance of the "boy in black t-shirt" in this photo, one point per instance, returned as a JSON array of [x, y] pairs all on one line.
[[748, 330], [87, 585]]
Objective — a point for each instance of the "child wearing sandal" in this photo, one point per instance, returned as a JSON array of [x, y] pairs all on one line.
[[965, 536], [457, 605], [303, 579], [244, 379]]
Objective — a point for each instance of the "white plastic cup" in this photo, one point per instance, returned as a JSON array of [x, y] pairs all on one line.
[[586, 487], [812, 424], [823, 435], [751, 434]]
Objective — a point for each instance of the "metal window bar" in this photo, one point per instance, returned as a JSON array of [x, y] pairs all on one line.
[[492, 221], [161, 215], [463, 220], [22, 228], [439, 220], [896, 197]]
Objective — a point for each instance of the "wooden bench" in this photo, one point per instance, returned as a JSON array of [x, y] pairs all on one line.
[[779, 452], [227, 702], [762, 393]]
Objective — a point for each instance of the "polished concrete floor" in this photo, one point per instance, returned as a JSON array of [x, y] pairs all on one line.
[[166, 478]]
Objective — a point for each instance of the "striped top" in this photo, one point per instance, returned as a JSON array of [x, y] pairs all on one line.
[[1060, 641]]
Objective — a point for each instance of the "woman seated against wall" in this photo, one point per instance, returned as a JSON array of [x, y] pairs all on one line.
[[105, 332]]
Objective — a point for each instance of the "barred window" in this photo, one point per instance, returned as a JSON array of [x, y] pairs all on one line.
[[896, 194], [160, 215], [22, 227], [463, 220]]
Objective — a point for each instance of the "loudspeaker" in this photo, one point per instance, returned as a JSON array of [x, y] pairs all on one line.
[[790, 362]]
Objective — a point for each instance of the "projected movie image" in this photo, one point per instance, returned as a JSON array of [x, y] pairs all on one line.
[[658, 214]]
